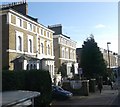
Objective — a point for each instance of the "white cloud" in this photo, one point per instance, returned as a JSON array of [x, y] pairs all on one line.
[[100, 26], [102, 40]]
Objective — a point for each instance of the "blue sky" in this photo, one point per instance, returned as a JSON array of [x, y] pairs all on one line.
[[80, 19]]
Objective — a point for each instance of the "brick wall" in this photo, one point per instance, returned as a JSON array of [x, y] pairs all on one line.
[[13, 19]]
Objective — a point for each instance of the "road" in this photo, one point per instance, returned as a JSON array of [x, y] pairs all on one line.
[[108, 97]]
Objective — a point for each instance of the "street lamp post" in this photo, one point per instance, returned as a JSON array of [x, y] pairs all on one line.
[[108, 53]]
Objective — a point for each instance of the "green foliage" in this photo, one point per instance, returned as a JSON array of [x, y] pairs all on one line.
[[8, 81], [34, 80], [62, 69], [76, 77], [92, 61], [110, 74]]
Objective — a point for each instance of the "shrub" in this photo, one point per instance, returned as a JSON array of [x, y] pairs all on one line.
[[34, 80]]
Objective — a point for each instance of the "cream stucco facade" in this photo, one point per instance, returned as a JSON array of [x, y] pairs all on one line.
[[65, 51], [113, 58]]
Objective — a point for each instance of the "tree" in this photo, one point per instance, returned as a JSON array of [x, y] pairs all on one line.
[[62, 69], [92, 61]]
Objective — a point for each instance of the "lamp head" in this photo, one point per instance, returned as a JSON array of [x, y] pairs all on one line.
[[108, 42]]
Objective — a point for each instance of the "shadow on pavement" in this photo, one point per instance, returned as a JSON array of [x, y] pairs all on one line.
[[116, 102]]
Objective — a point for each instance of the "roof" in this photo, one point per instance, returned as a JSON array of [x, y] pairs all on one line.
[[66, 36], [29, 57], [25, 15], [24, 57], [32, 18]]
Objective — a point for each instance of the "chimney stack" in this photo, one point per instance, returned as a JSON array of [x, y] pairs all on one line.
[[21, 6]]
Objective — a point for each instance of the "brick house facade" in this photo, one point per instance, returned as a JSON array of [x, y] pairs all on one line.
[[26, 44]]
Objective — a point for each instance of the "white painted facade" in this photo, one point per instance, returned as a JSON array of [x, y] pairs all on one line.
[[68, 53]]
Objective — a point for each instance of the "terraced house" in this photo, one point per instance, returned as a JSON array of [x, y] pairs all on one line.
[[113, 58], [26, 44], [64, 50]]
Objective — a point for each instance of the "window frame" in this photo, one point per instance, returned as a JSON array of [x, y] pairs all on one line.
[[19, 34], [29, 26], [30, 48], [48, 35], [19, 43], [30, 44], [42, 47], [19, 22], [42, 31], [48, 50]]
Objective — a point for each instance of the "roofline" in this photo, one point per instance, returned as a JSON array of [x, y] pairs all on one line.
[[63, 37], [25, 17]]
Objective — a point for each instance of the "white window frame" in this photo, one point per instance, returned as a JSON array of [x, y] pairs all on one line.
[[30, 44], [48, 34], [29, 26], [19, 43], [17, 40], [42, 48], [48, 49], [43, 42], [18, 20], [30, 38]]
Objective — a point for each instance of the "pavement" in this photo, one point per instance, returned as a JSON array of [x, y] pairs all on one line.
[[108, 97]]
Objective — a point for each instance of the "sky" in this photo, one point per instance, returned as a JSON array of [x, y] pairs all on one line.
[[80, 19]]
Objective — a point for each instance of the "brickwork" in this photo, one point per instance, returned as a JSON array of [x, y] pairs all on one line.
[[34, 43], [11, 31], [44, 33], [34, 29], [13, 19], [12, 56], [38, 30], [12, 39], [51, 35], [45, 48], [25, 24]]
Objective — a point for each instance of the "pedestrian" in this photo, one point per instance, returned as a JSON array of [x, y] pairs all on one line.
[[100, 86], [111, 84], [59, 83], [54, 81]]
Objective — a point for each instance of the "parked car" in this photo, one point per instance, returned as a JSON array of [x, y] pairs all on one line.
[[60, 93]]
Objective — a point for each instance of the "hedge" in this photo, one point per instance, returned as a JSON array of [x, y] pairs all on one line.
[[34, 80]]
